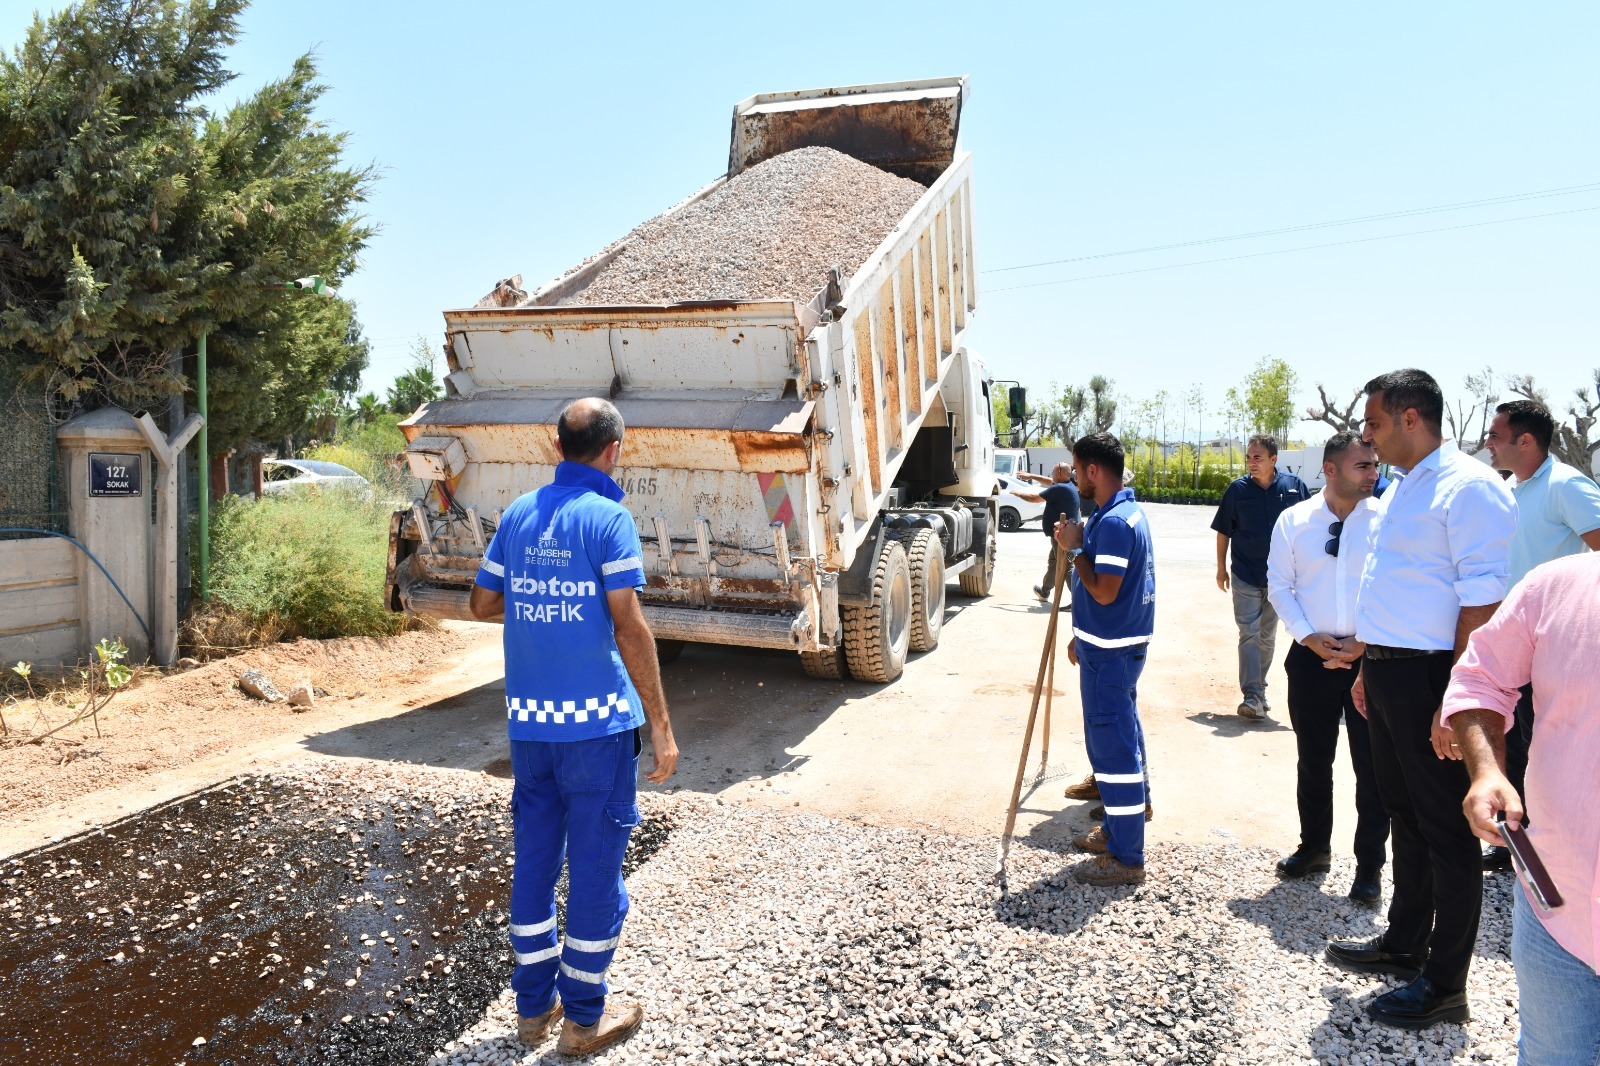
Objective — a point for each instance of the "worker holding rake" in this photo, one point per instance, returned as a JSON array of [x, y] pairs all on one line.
[[1113, 619]]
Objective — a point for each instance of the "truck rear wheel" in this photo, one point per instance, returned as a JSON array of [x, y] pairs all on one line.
[[824, 665], [925, 557], [977, 579], [877, 638]]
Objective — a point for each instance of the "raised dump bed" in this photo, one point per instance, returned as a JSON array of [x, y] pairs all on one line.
[[786, 385]]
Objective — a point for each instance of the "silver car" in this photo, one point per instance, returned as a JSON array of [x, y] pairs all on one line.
[[283, 476]]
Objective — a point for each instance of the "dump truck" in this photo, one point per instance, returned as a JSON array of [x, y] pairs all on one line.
[[806, 473]]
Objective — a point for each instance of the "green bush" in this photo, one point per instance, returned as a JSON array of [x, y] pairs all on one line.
[[306, 565], [372, 449]]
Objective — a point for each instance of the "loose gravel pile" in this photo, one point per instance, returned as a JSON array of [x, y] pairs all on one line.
[[758, 937], [769, 234]]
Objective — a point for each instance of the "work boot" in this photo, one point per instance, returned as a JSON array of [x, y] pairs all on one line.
[[1107, 872], [1098, 813], [616, 1024], [1094, 839], [1087, 789], [532, 1031]]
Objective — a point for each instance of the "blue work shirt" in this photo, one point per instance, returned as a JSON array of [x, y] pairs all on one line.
[[1246, 517], [1116, 539], [556, 553], [1060, 500]]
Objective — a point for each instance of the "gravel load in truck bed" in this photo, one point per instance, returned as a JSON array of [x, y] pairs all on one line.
[[769, 234]]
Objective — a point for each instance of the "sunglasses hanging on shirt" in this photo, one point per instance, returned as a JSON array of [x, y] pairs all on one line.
[[1335, 531]]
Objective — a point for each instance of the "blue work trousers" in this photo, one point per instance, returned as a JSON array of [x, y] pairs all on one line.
[[574, 802], [1108, 680]]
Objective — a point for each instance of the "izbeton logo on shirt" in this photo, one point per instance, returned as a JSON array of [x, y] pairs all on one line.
[[561, 611]]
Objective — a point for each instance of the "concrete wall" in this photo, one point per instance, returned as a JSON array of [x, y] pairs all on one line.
[[39, 601]]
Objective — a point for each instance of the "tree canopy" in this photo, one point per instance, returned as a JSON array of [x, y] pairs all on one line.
[[133, 218]]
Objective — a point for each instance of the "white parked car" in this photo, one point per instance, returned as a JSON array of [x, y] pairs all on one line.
[[1016, 512], [283, 476]]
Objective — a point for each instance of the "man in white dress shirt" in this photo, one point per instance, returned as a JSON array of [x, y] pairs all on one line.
[[1441, 543], [1319, 547]]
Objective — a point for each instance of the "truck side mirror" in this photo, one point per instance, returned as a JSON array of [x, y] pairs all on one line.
[[1017, 402]]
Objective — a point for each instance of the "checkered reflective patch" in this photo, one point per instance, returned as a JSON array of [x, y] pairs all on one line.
[[569, 711]]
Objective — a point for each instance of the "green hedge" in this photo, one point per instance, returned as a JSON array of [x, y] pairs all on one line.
[[1179, 494]]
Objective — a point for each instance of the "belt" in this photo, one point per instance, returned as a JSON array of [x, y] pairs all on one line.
[[1383, 651]]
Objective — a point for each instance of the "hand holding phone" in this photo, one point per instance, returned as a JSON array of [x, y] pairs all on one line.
[[1529, 865]]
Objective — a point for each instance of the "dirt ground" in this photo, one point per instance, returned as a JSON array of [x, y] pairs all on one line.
[[176, 725], [936, 748]]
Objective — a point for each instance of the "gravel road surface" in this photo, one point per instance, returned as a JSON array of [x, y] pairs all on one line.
[[758, 936]]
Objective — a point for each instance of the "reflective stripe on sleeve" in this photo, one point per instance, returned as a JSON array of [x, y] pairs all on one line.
[[634, 563], [494, 568], [1111, 560]]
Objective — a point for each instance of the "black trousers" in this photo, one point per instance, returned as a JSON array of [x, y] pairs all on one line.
[[1319, 699], [1438, 868], [1517, 741]]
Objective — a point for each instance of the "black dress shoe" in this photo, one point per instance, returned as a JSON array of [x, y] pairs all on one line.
[[1368, 956], [1303, 862], [1496, 857], [1419, 1005], [1368, 886]]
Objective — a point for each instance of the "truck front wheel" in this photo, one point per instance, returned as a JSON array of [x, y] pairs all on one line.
[[877, 638], [926, 560]]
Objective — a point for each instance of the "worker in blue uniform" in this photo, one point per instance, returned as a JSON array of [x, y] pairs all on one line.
[[581, 677], [1113, 619]]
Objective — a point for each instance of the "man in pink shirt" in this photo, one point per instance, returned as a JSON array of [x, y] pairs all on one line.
[[1547, 633]]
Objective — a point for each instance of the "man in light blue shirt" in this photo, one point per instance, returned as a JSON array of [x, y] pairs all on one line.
[[1440, 546], [581, 678], [1558, 514]]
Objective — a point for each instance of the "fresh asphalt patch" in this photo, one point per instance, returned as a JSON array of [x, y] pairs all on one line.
[[304, 916]]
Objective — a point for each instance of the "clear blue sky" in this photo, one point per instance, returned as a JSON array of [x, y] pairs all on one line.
[[522, 137]]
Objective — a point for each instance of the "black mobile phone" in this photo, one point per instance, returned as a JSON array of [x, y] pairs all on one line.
[[1528, 863]]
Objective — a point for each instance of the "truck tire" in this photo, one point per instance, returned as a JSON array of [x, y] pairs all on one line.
[[977, 579], [1010, 520], [824, 665], [668, 650], [877, 638], [925, 557]]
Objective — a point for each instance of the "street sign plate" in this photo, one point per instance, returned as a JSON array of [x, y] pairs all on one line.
[[115, 475]]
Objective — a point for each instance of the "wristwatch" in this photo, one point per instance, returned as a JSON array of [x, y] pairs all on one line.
[[1072, 555]]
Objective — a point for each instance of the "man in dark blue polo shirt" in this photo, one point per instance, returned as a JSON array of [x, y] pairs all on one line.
[[1250, 508], [1113, 618], [1060, 499]]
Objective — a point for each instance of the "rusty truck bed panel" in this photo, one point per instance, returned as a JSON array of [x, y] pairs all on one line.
[[731, 433]]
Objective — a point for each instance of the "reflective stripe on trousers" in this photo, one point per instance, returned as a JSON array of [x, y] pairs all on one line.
[[1108, 680]]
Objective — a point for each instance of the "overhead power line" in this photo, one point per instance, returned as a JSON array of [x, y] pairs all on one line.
[[1567, 190], [1285, 251]]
